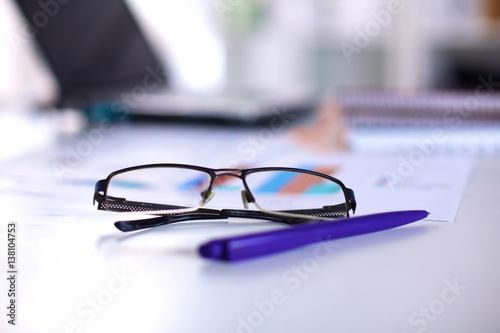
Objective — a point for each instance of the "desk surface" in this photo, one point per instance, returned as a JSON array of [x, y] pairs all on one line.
[[76, 273]]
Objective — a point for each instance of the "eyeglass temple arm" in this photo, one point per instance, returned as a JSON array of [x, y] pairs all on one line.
[[161, 220], [212, 214], [222, 214]]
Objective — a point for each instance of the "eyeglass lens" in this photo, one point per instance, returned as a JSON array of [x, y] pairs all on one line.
[[173, 186], [290, 190]]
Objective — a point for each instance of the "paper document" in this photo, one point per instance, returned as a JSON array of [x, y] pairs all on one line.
[[380, 182]]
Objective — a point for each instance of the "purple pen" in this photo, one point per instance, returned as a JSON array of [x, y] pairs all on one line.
[[265, 243]]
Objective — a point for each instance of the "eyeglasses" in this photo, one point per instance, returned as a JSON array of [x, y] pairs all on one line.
[[179, 192]]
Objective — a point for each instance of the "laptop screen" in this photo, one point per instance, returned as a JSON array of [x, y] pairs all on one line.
[[90, 43]]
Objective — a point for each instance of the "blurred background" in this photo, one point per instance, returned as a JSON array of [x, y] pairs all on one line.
[[316, 45]]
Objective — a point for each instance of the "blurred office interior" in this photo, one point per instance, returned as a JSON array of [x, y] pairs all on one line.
[[280, 45]]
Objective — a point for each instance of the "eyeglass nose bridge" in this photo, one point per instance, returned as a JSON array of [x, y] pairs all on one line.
[[246, 195], [228, 172]]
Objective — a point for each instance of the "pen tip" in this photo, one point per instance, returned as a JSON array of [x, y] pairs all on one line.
[[211, 250]]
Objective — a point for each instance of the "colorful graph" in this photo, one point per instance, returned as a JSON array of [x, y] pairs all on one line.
[[300, 183]]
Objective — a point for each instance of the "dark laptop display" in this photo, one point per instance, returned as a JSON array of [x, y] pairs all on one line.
[[90, 44]]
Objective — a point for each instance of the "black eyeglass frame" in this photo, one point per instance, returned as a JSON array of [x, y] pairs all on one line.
[[123, 205]]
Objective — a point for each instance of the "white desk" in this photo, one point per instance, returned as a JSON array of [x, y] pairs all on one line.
[[77, 273]]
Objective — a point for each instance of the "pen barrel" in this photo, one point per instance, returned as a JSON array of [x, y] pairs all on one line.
[[244, 248], [254, 245]]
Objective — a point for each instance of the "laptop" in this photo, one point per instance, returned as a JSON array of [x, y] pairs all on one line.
[[104, 65]]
